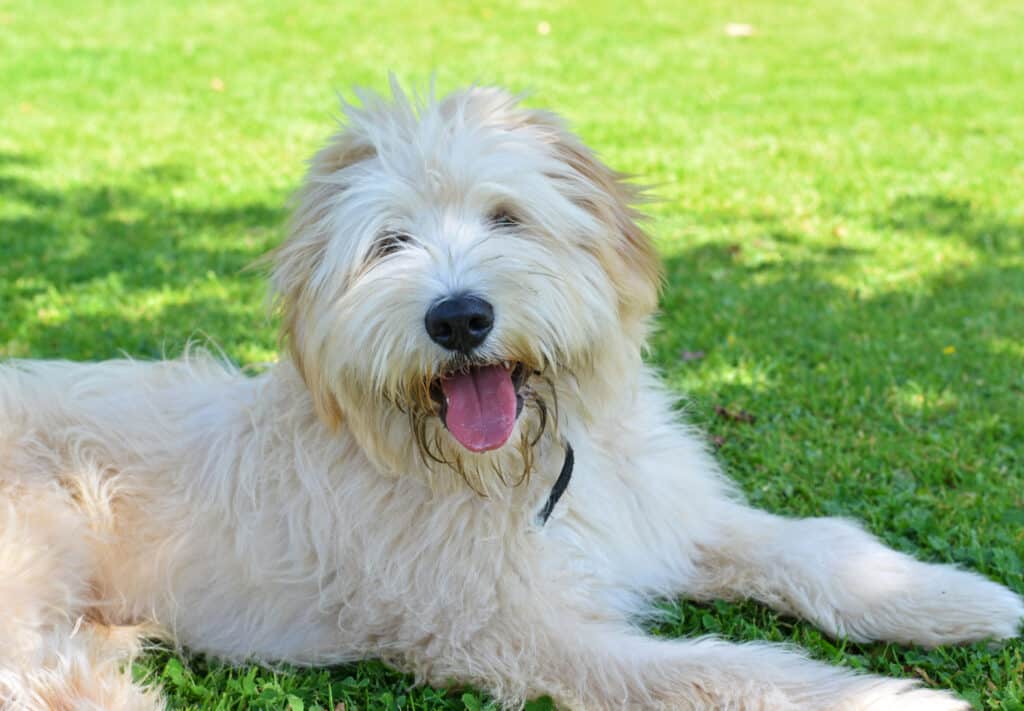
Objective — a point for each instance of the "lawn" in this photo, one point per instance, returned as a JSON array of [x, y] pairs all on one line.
[[838, 205]]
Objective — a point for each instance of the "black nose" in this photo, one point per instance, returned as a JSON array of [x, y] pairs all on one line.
[[460, 323]]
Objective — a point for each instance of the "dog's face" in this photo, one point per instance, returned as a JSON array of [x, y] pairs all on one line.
[[454, 268]]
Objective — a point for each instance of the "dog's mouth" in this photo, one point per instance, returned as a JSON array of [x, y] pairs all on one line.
[[479, 404]]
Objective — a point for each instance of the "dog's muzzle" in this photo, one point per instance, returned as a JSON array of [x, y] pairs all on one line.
[[478, 402]]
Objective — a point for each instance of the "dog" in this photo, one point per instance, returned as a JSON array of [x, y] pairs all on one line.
[[460, 464]]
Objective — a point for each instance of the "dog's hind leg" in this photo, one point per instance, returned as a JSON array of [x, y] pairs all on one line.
[[834, 574], [50, 658], [45, 566], [86, 668]]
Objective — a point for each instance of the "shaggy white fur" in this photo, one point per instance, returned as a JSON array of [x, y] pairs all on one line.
[[323, 512]]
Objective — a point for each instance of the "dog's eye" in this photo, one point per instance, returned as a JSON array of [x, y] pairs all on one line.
[[390, 242], [502, 218]]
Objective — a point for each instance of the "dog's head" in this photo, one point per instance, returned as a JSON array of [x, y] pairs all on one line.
[[454, 268]]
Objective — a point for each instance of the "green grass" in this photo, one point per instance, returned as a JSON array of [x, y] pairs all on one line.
[[839, 210]]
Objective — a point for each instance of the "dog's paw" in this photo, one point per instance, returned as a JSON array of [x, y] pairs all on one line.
[[883, 694], [870, 694], [929, 605], [1000, 611], [960, 606], [915, 700]]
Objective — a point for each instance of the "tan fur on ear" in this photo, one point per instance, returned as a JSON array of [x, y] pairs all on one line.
[[636, 269], [632, 263], [296, 260]]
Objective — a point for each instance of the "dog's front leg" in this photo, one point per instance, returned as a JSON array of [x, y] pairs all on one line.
[[833, 573], [538, 644]]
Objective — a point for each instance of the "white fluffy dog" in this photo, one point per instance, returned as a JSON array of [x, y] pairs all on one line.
[[462, 466]]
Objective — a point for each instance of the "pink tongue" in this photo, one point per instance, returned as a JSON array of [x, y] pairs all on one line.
[[481, 408]]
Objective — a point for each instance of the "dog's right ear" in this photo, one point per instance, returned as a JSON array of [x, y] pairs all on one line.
[[298, 263], [629, 256]]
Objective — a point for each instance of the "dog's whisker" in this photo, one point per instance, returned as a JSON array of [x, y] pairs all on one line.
[[554, 276]]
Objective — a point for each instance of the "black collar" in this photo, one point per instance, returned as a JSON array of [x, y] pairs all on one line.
[[561, 484]]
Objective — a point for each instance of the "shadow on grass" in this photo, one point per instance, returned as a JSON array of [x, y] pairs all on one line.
[[791, 310], [807, 331], [948, 216], [876, 406], [102, 250], [11, 158]]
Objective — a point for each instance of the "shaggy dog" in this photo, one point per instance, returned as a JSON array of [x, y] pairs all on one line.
[[462, 465]]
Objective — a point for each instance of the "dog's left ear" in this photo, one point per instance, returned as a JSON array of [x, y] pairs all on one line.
[[298, 266], [630, 260]]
